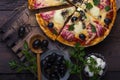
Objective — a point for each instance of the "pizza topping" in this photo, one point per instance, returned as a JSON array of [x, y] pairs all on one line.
[[82, 13], [107, 21], [93, 28], [71, 27], [101, 6], [58, 17], [82, 36], [67, 35], [78, 28], [50, 24], [39, 4], [74, 18], [95, 11], [89, 6], [96, 2], [99, 30], [107, 8], [48, 15], [64, 12]]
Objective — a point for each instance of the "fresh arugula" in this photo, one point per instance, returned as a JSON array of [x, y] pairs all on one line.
[[30, 64], [96, 2], [55, 32], [107, 8], [93, 28], [89, 6], [71, 28]]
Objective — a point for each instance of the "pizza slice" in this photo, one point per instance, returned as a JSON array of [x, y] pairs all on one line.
[[103, 10], [84, 29], [36, 4], [52, 22]]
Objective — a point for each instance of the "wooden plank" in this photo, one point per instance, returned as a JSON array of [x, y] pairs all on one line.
[[6, 56], [11, 4], [17, 77]]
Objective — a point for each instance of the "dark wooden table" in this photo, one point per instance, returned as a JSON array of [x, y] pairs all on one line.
[[110, 47]]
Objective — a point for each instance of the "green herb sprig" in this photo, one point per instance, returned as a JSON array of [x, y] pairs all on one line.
[[30, 64], [96, 2], [79, 63], [77, 53]]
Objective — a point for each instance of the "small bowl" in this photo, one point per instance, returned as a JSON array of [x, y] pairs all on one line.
[[59, 52], [98, 56]]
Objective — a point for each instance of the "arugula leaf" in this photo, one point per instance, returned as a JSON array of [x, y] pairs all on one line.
[[96, 2], [71, 28], [55, 32], [93, 28], [107, 8], [89, 6]]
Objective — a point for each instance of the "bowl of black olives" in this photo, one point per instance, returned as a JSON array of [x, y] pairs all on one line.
[[53, 65]]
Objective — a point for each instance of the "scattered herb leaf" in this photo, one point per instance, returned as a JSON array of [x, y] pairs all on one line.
[[93, 28], [71, 28], [107, 8], [89, 6], [96, 2]]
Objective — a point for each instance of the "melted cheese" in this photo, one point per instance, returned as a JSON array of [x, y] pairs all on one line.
[[54, 2], [58, 17], [49, 3], [78, 28], [95, 11]]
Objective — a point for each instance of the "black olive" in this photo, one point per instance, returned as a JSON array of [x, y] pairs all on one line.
[[54, 76], [21, 32], [51, 25], [107, 21], [83, 26], [44, 43], [36, 44], [54, 54], [82, 36], [43, 62], [64, 12], [81, 13], [74, 18], [100, 16]]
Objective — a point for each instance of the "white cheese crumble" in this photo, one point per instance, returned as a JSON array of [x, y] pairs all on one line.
[[100, 63]]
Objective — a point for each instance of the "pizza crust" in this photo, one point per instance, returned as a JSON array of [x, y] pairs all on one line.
[[42, 24], [63, 41], [31, 4]]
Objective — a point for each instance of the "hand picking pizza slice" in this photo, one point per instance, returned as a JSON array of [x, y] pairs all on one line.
[[52, 22], [103, 10], [82, 28], [36, 4]]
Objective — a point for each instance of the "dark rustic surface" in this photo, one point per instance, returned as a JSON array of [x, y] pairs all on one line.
[[110, 47]]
